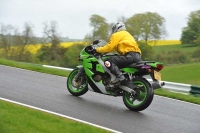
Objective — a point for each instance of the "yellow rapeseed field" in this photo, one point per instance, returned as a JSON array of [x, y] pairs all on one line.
[[34, 48], [164, 42]]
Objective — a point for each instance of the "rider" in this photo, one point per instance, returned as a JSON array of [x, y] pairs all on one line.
[[124, 43]]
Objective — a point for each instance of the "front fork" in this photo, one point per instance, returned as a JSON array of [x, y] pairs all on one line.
[[79, 74]]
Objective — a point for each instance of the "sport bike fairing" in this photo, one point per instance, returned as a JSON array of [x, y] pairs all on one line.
[[136, 91]]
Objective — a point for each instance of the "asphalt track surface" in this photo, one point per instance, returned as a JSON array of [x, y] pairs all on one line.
[[49, 92]]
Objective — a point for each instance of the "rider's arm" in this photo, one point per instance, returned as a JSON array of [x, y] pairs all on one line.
[[114, 40]]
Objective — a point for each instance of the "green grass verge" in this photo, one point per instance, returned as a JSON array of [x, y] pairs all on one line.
[[19, 119], [34, 67], [183, 97], [167, 48], [184, 73]]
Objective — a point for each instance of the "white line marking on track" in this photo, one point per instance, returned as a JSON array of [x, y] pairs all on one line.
[[61, 115]]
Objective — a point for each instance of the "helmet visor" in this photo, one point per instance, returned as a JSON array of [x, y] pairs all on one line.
[[113, 29]]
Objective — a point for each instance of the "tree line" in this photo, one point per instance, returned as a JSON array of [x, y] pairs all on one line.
[[142, 26]]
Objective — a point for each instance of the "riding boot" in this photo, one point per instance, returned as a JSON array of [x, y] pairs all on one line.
[[119, 76]]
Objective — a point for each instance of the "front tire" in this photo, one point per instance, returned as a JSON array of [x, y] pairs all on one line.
[[77, 88], [143, 97]]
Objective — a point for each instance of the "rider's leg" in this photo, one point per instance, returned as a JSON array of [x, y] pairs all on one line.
[[121, 61], [116, 71]]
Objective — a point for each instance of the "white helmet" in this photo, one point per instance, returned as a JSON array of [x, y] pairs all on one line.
[[118, 26]]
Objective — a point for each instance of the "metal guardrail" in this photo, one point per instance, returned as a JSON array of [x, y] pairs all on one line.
[[62, 68], [180, 87], [177, 87]]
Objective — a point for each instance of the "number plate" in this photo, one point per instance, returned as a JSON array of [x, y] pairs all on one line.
[[157, 75]]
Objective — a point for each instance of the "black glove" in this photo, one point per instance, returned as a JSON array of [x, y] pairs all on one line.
[[96, 42], [92, 50]]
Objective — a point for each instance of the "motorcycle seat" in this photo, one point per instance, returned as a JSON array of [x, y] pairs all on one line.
[[140, 63]]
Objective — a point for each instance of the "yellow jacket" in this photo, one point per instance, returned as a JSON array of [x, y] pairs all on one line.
[[122, 42]]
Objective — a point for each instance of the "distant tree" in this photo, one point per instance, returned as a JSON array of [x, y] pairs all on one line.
[[147, 51], [196, 53], [15, 43], [197, 41], [22, 41], [51, 53], [72, 54], [6, 39], [191, 32], [188, 36], [51, 34], [100, 28], [146, 26], [133, 25]]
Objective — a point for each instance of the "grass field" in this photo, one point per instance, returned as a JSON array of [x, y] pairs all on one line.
[[18, 119], [185, 73], [161, 49], [182, 73]]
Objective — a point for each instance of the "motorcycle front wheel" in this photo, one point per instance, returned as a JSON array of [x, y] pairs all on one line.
[[77, 88], [143, 97]]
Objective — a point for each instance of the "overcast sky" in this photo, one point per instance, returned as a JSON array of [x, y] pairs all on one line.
[[73, 16]]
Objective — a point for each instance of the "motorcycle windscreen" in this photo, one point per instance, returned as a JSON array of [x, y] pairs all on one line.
[[100, 44]]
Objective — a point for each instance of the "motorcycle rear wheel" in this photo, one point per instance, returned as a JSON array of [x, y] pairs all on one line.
[[77, 88], [143, 97]]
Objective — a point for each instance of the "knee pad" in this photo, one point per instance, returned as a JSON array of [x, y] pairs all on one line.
[[108, 64]]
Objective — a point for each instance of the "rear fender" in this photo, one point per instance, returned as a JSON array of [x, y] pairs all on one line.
[[156, 63], [148, 82]]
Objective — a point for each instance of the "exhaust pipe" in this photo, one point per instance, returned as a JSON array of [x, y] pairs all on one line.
[[157, 85], [162, 83], [127, 89]]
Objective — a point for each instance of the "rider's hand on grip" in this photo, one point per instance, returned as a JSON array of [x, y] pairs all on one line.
[[91, 50]]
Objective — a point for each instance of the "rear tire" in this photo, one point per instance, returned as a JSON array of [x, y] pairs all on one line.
[[77, 88], [143, 97]]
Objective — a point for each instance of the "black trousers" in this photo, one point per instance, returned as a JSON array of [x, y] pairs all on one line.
[[124, 60]]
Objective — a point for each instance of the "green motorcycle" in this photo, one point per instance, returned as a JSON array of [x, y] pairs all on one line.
[[93, 75]]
